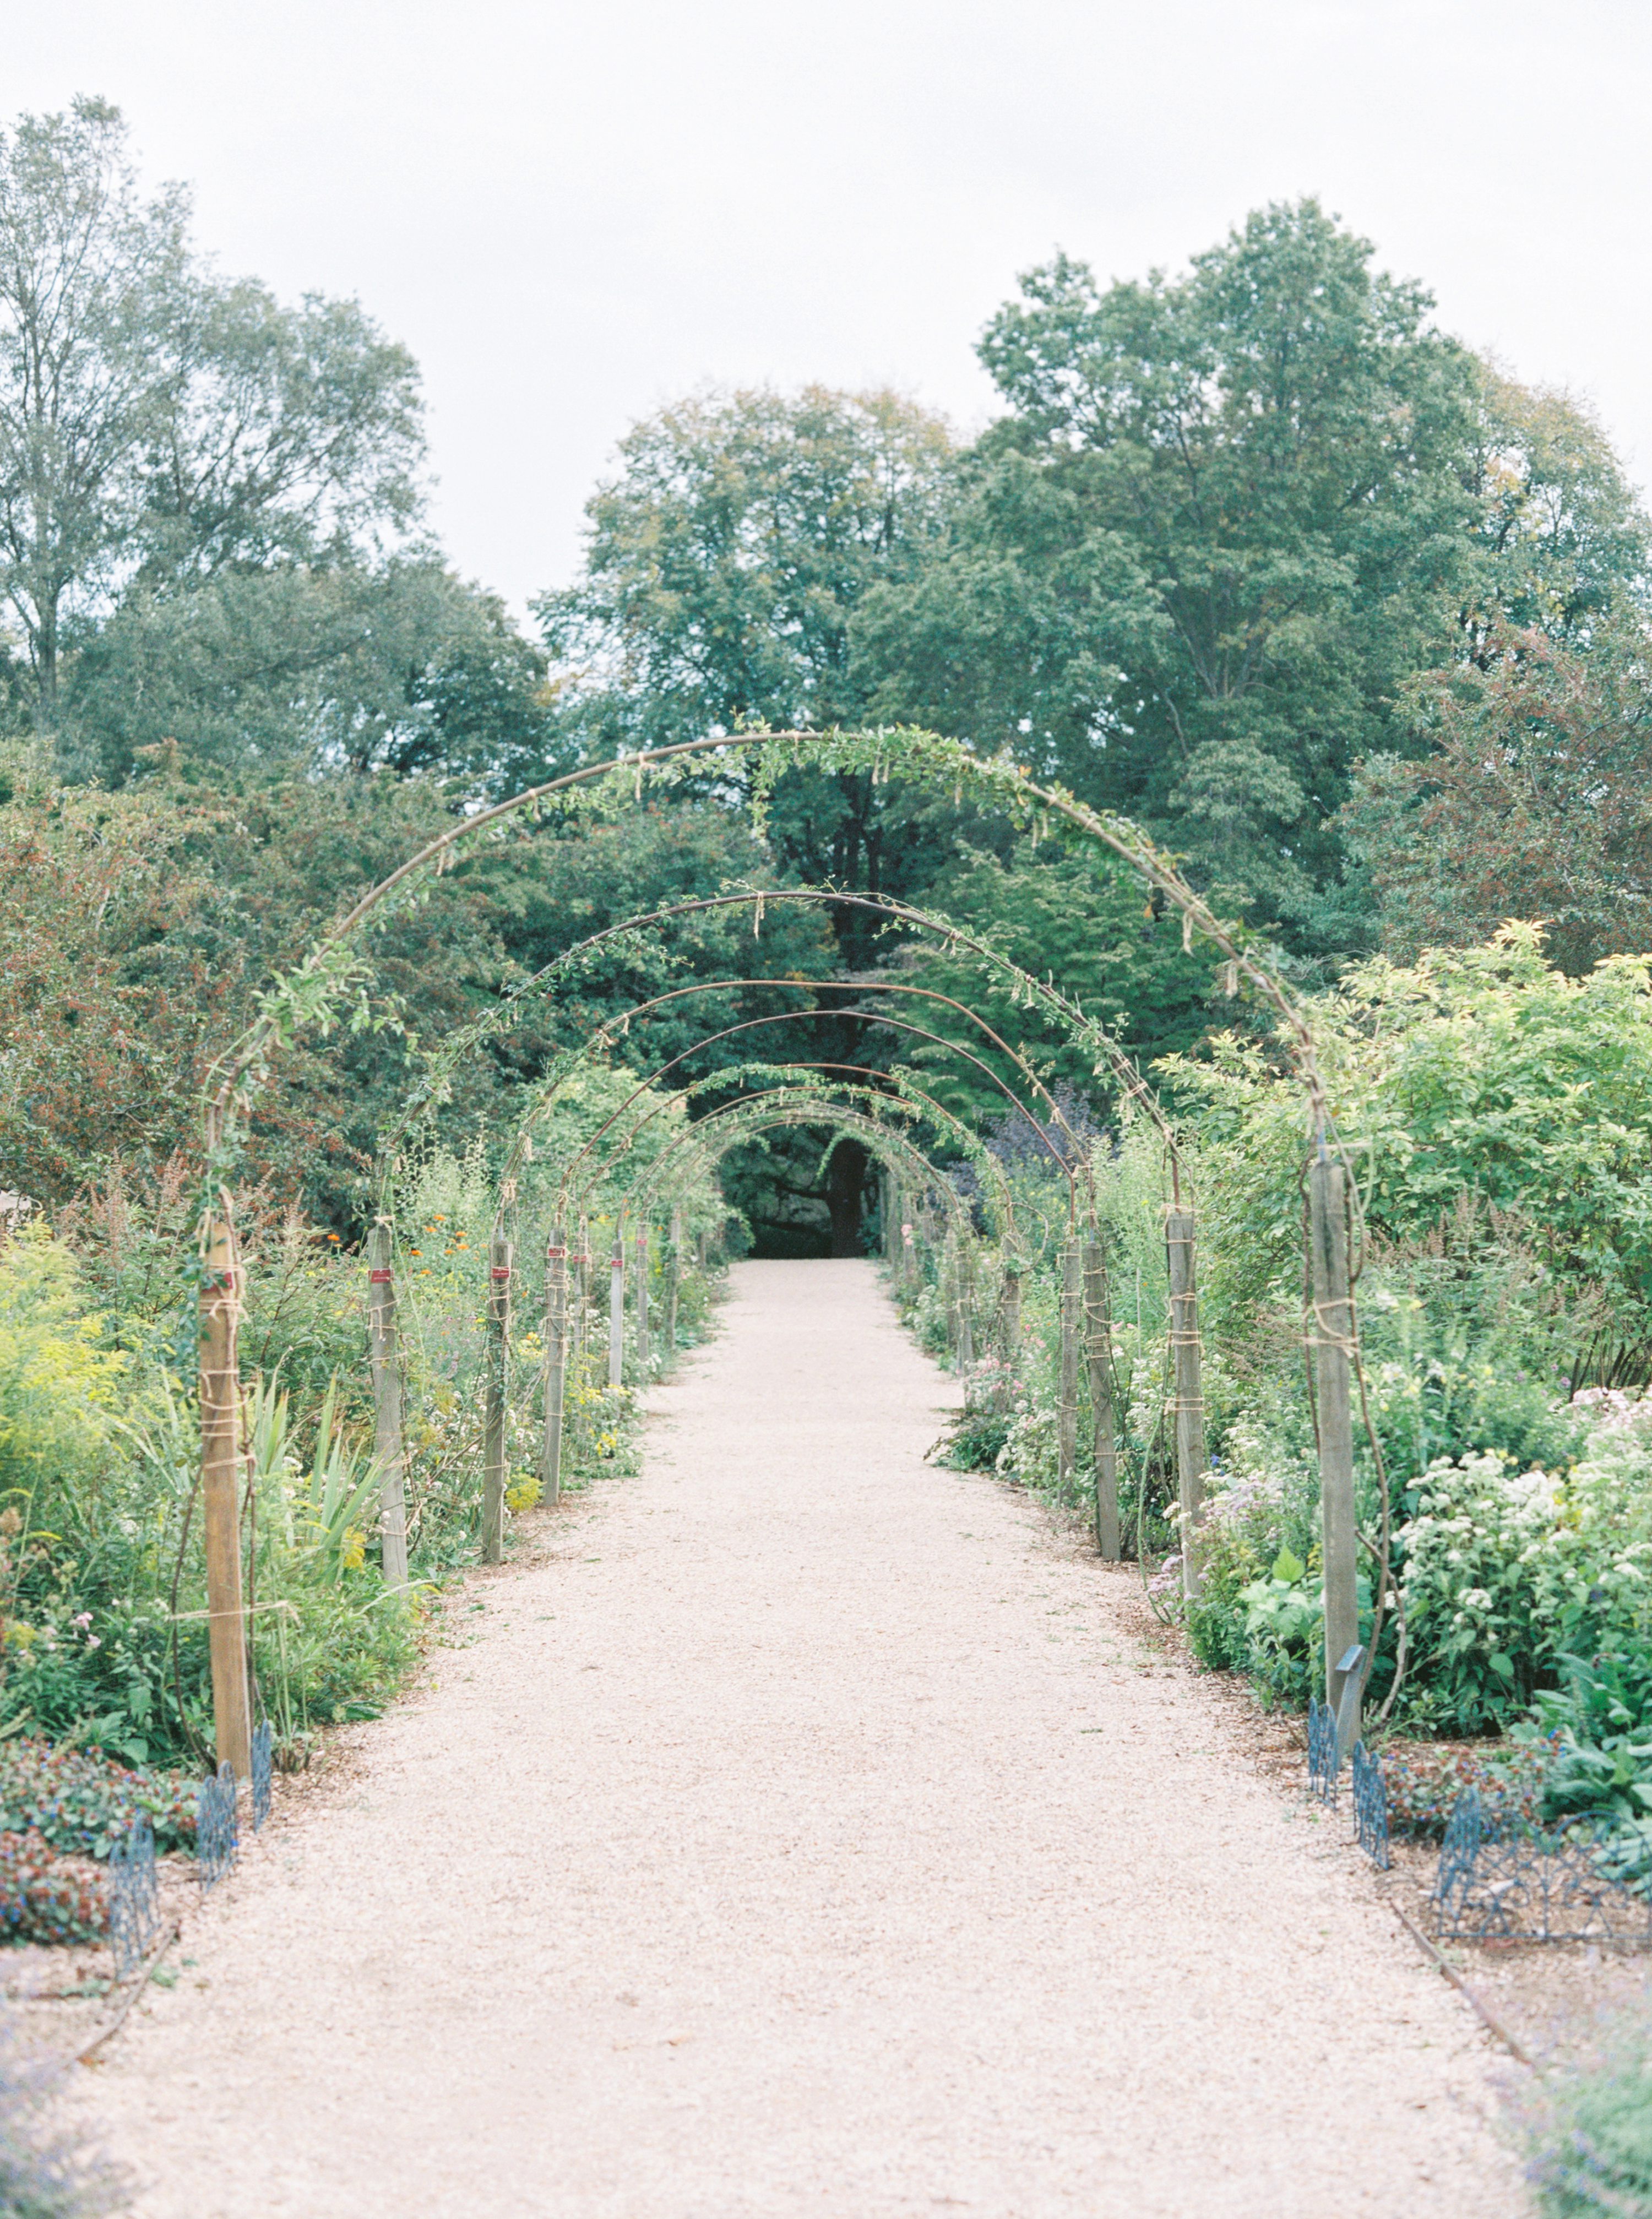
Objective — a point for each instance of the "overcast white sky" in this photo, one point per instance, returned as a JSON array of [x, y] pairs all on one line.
[[573, 212]]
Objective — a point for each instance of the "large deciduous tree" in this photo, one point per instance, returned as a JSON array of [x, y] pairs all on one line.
[[163, 432], [723, 567], [1218, 519], [1226, 519]]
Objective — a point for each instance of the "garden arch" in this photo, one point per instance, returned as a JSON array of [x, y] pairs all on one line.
[[334, 970]]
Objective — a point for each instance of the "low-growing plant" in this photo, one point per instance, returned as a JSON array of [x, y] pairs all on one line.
[[81, 1804], [1589, 2128], [44, 1899], [48, 2169]]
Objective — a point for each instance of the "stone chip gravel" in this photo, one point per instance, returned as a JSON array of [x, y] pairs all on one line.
[[801, 1834]]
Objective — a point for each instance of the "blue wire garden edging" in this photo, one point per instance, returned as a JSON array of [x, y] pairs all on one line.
[[135, 1901], [1502, 1881]]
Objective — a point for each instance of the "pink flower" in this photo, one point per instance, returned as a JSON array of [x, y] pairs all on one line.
[[93, 1641]]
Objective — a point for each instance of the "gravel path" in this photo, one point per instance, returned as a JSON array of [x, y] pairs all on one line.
[[804, 1832]]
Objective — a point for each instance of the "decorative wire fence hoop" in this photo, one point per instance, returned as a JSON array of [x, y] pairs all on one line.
[[1321, 1751], [263, 1756], [217, 1835], [1585, 1880], [1370, 1795], [134, 1900]]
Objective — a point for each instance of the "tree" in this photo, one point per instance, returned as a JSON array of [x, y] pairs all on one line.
[[297, 668], [724, 562], [1221, 510], [1084, 921], [1533, 804], [158, 426], [1561, 542], [722, 569], [1226, 519]]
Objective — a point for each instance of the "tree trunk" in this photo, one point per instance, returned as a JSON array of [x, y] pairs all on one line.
[[846, 1179]]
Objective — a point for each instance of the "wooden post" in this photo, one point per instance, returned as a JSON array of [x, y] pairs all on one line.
[[702, 1248], [640, 1250], [892, 1221], [1067, 1412], [965, 1283], [580, 1290], [495, 1445], [1099, 1350], [386, 1360], [617, 1312], [219, 1304], [1334, 1343], [1009, 1330], [556, 1362], [673, 1279], [1179, 1230]]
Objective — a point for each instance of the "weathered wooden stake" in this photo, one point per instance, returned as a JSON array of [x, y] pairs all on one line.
[[1334, 1344], [495, 1445], [890, 1205], [640, 1250], [580, 1290], [1067, 1412], [617, 1312], [1009, 1332], [219, 1304], [556, 1338], [965, 1283], [1099, 1350], [673, 1279], [702, 1248], [1190, 1460], [386, 1360]]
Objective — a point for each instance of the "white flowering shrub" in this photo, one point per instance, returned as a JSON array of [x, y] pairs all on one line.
[[1508, 1573]]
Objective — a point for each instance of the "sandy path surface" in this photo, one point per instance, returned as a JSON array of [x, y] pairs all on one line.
[[802, 1833]]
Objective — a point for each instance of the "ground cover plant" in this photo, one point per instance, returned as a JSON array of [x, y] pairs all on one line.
[[1589, 2126]]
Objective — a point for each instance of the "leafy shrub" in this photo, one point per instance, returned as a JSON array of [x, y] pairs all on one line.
[[1424, 1785], [1506, 1574], [81, 1804], [977, 1441], [42, 1898]]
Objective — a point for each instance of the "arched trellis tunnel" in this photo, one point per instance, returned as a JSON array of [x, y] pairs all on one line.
[[335, 969]]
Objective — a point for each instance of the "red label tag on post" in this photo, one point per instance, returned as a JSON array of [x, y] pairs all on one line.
[[502, 1271], [378, 1278], [554, 1255]]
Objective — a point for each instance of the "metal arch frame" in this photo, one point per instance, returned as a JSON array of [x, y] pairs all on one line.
[[1083, 1030], [788, 1017], [906, 1095], [606, 1034], [328, 970], [879, 1138]]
